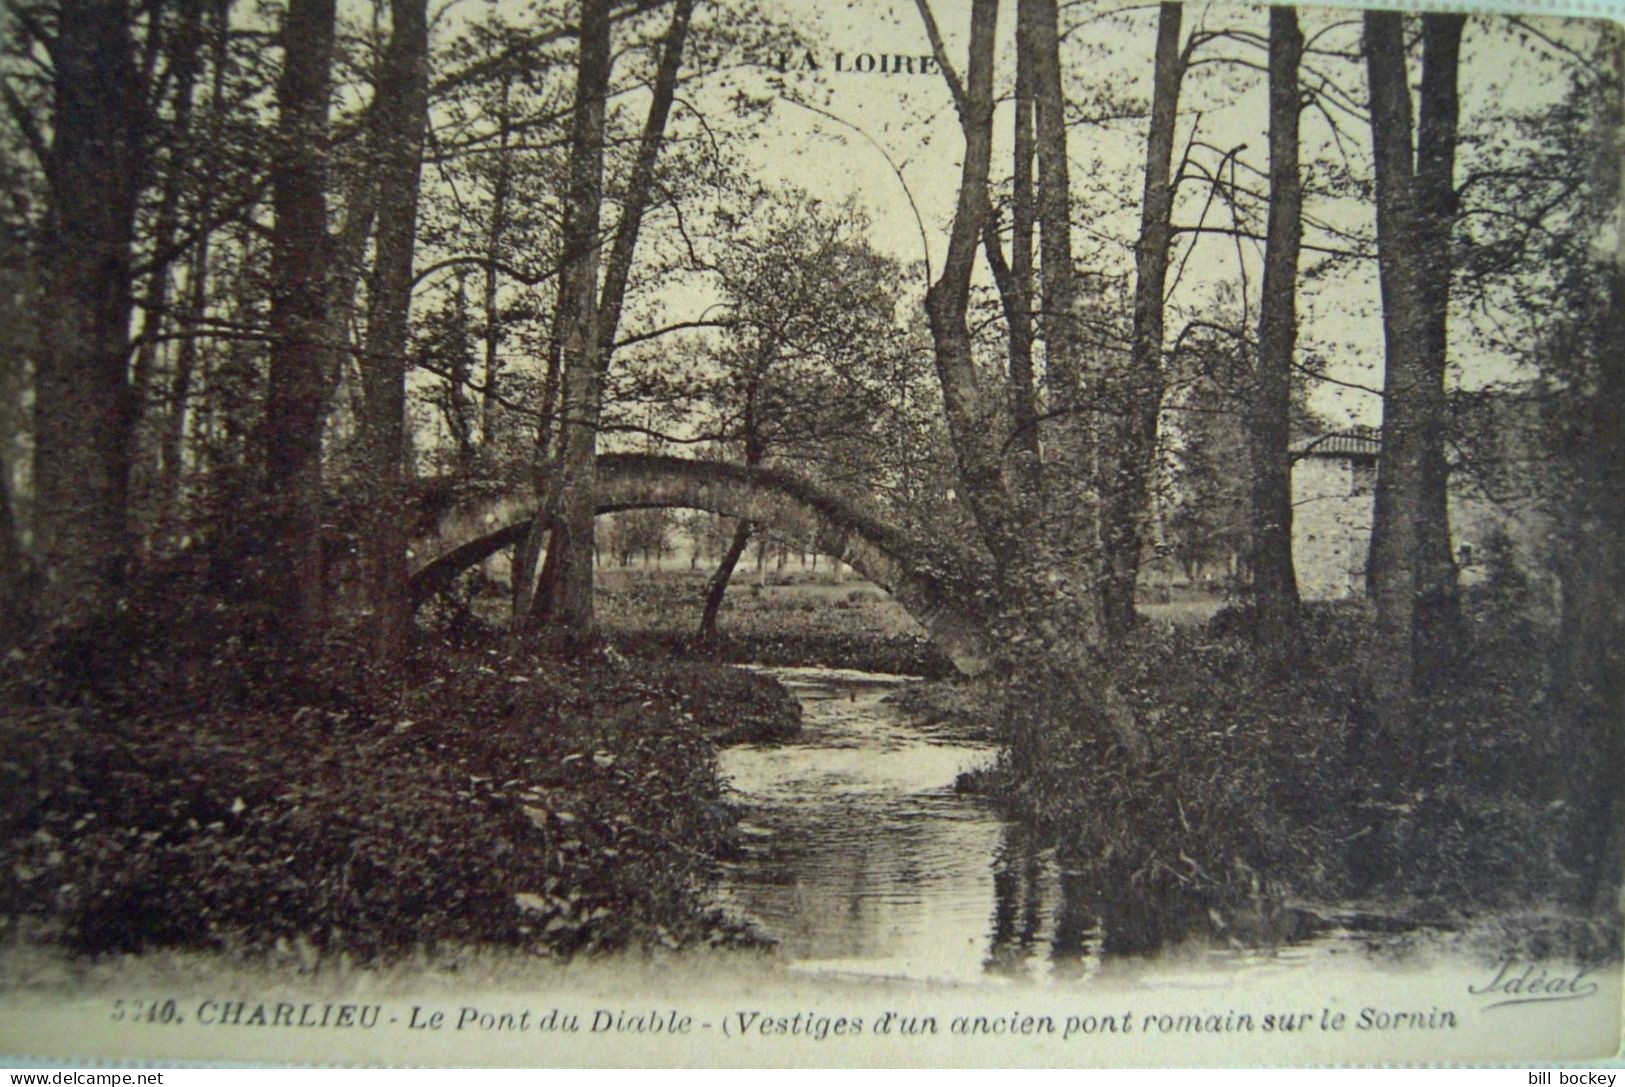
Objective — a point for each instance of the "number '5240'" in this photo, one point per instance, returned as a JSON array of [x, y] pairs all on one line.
[[145, 1011]]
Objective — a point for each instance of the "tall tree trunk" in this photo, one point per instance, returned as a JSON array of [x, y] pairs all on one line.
[[455, 409], [1040, 23], [1588, 673], [493, 253], [1023, 212], [83, 408], [1438, 584], [400, 115], [567, 598], [1014, 277], [15, 620], [1052, 640], [1268, 414], [1592, 640], [186, 355], [1602, 626], [300, 267], [180, 390], [1071, 514], [947, 303], [187, 58], [1137, 399], [1394, 537], [347, 265]]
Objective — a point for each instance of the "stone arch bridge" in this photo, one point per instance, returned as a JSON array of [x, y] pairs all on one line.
[[935, 583]]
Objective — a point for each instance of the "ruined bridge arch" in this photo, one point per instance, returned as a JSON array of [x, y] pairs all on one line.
[[933, 585]]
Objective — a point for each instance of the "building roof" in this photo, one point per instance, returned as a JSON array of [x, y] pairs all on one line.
[[1358, 442]]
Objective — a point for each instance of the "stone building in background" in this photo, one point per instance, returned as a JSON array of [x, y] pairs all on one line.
[[1334, 487], [1496, 512]]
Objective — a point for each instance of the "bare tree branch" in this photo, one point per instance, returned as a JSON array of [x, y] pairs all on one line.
[[949, 75]]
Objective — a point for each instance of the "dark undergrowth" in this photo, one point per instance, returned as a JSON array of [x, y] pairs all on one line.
[[175, 781], [1267, 783]]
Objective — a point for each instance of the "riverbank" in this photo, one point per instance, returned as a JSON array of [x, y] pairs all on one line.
[[496, 800], [1266, 783]]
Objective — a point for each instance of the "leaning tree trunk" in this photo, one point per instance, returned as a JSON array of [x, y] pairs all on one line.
[[1136, 402], [717, 589], [1268, 411], [83, 409], [297, 387], [640, 186], [1043, 636], [400, 116], [755, 450], [1401, 271], [1438, 585]]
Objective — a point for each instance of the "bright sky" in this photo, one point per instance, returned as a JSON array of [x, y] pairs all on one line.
[[891, 140], [880, 125]]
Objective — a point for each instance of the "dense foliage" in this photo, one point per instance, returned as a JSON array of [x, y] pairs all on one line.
[[1273, 785], [205, 799]]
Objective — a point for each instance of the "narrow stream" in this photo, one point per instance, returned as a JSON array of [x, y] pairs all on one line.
[[862, 859]]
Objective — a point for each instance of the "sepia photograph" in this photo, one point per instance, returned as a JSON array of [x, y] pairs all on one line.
[[776, 532]]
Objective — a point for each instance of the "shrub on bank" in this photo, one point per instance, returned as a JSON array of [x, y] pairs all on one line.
[[1267, 780], [557, 806]]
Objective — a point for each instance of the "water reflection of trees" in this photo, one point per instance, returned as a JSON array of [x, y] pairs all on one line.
[[1018, 896], [1047, 908]]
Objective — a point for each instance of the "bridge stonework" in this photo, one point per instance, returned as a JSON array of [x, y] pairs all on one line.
[[936, 586]]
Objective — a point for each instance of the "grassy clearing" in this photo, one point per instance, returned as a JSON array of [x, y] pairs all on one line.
[[790, 617]]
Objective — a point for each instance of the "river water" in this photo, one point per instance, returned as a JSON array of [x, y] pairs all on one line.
[[860, 856], [861, 859]]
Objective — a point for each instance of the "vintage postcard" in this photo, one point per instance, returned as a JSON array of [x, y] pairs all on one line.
[[711, 532]]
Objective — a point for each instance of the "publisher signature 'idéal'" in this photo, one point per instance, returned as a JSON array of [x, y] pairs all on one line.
[[1518, 982]]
